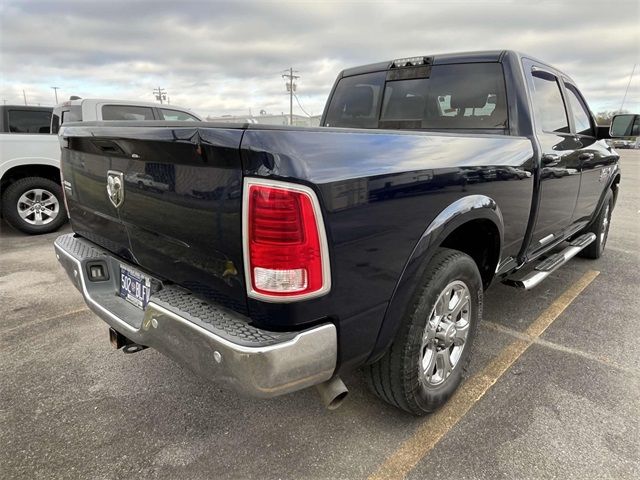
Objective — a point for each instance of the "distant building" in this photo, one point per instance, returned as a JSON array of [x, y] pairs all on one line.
[[267, 119]]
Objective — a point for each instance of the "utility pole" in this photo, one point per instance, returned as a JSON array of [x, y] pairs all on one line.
[[291, 88], [24, 95], [55, 89], [161, 94]]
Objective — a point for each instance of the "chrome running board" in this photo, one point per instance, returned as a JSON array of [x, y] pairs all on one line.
[[550, 264]]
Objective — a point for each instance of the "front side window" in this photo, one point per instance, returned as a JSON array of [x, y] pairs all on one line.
[[548, 105], [29, 121], [126, 112], [581, 117], [176, 115]]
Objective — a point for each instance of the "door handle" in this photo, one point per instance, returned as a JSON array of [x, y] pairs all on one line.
[[550, 159], [583, 157]]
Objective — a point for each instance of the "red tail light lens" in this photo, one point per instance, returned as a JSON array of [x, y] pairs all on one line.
[[285, 245]]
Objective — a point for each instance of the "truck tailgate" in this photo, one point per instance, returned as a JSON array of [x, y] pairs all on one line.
[[180, 216]]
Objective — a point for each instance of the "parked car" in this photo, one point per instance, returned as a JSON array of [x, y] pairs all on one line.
[[620, 143], [307, 274], [30, 193], [146, 181], [31, 198]]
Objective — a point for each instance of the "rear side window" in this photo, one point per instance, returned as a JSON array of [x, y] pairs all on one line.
[[356, 101], [581, 117], [176, 115], [126, 112], [462, 96], [65, 114], [29, 121], [548, 105]]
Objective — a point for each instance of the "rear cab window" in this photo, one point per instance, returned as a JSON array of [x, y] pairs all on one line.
[[456, 97], [127, 112], [29, 121], [356, 101]]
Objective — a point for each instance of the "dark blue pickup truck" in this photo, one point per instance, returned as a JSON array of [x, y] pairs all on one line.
[[277, 258]]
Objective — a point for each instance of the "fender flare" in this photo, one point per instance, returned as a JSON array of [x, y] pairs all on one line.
[[463, 210], [613, 183]]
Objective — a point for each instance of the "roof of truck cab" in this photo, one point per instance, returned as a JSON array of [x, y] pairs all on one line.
[[27, 107], [92, 103], [439, 59], [450, 58], [115, 101]]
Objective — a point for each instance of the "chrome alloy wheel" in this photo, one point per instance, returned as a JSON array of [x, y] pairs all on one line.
[[38, 206], [605, 226], [445, 334]]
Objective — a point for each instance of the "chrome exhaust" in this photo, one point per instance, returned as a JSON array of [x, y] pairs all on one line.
[[332, 392]]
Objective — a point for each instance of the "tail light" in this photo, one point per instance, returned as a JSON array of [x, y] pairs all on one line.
[[285, 245]]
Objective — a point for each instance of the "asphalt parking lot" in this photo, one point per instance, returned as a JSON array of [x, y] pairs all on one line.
[[554, 391]]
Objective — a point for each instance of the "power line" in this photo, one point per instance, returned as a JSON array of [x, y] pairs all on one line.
[[300, 105], [628, 84]]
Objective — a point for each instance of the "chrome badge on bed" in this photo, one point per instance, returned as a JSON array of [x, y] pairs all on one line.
[[115, 188]]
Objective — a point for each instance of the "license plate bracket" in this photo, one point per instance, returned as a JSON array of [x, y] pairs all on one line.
[[135, 286]]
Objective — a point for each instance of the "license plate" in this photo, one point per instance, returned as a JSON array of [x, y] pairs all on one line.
[[135, 287]]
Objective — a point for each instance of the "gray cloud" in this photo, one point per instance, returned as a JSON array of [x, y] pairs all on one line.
[[226, 57]]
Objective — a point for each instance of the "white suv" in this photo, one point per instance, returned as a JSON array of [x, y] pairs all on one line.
[[31, 197]]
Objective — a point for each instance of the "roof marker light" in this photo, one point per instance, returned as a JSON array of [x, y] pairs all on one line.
[[410, 62]]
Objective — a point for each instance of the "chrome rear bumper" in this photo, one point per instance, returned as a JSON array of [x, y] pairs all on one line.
[[216, 343]]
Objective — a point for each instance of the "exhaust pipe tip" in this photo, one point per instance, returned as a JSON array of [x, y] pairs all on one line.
[[332, 392]]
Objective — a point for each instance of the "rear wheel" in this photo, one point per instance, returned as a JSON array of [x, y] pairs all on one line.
[[600, 227], [34, 205], [432, 350]]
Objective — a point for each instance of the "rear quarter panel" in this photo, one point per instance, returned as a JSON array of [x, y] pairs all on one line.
[[380, 191]]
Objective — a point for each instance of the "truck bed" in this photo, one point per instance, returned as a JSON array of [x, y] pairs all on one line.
[[379, 190]]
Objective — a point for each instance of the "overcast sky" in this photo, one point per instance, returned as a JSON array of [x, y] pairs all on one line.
[[227, 57]]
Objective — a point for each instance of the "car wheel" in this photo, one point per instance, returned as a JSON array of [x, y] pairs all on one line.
[[600, 227], [34, 205], [432, 349]]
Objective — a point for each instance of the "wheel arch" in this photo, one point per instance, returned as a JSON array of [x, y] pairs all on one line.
[[29, 167], [451, 229], [615, 186]]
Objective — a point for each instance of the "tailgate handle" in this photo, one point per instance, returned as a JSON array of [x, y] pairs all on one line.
[[550, 159], [108, 146]]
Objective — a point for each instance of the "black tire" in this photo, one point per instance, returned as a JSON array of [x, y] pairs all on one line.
[[11, 205], [601, 228], [398, 377]]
